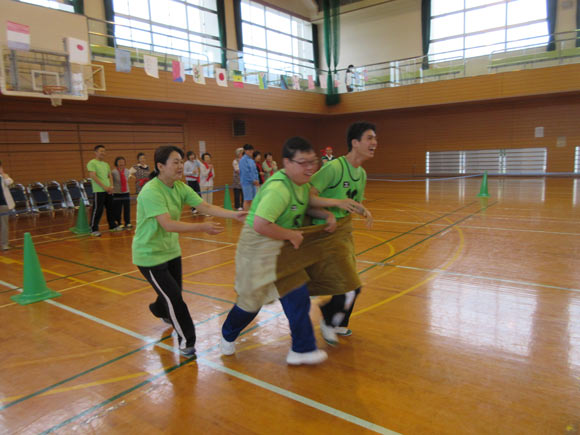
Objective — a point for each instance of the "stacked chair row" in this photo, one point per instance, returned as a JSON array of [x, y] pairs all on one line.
[[38, 197]]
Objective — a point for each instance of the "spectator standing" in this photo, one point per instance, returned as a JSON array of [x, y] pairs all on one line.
[[257, 155], [102, 182], [121, 195], [141, 172], [191, 172], [206, 178], [236, 185], [6, 204], [327, 156], [269, 166], [248, 176]]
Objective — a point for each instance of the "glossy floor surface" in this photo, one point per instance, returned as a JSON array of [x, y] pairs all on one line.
[[469, 322]]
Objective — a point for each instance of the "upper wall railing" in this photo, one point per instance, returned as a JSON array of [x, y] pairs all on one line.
[[277, 72]]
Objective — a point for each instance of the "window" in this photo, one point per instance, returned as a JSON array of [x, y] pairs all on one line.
[[469, 28], [503, 161], [276, 42], [63, 5], [186, 28]]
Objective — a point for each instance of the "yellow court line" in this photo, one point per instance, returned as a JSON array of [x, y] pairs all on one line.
[[88, 384], [215, 266], [59, 358], [207, 283]]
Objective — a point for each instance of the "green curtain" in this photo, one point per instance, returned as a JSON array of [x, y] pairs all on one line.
[[331, 10], [315, 48], [79, 7], [238, 22], [426, 29], [221, 13], [110, 16], [578, 23], [552, 6]]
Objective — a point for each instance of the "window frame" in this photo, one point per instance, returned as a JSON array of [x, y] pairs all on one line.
[[435, 57]]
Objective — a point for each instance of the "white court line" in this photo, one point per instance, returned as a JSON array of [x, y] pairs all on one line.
[[476, 227], [262, 384], [208, 240], [467, 275]]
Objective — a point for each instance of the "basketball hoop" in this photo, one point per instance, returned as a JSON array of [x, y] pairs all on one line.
[[55, 94]]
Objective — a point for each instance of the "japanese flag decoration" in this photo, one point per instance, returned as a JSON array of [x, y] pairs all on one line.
[[78, 51], [220, 77]]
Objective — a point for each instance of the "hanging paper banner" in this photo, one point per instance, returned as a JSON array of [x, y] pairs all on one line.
[[151, 66], [322, 81], [122, 60], [221, 78], [78, 51], [296, 82], [310, 82], [198, 76], [17, 36], [178, 71], [238, 81], [262, 80], [283, 84]]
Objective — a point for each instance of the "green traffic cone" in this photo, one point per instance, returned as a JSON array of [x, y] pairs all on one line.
[[34, 288], [227, 199], [483, 191], [82, 226]]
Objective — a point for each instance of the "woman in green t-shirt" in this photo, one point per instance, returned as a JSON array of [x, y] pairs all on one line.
[[156, 250]]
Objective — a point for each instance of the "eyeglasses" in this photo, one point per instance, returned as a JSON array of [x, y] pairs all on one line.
[[306, 163]]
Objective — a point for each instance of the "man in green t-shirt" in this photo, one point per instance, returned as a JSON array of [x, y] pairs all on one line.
[[102, 183], [345, 178], [276, 215]]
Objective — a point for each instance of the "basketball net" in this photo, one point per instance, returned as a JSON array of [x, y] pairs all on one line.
[[55, 94]]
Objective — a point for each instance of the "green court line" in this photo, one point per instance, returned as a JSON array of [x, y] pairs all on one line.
[[92, 369], [416, 228], [426, 238], [50, 280]]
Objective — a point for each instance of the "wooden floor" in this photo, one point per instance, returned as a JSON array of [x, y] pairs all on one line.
[[469, 322]]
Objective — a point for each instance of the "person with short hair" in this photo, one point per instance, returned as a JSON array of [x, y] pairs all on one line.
[[269, 166], [339, 179], [327, 156], [191, 171], [206, 178], [102, 183], [141, 172], [121, 195], [248, 176], [6, 204], [236, 185], [275, 216], [257, 156], [156, 250]]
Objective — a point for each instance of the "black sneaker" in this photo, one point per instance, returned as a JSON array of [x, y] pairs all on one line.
[[159, 316], [189, 352]]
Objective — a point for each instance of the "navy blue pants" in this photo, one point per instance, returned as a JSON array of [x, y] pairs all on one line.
[[296, 306]]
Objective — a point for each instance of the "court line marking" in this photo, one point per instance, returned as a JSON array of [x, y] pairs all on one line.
[[249, 379], [467, 275], [482, 228], [415, 228]]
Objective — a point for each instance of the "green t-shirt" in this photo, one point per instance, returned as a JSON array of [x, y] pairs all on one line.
[[152, 245], [338, 179], [280, 201], [102, 170]]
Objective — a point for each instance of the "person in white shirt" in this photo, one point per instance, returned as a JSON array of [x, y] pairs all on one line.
[[206, 178], [191, 172], [6, 204]]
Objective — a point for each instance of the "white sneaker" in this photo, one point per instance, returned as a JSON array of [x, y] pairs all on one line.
[[342, 330], [117, 228], [96, 234], [328, 333], [227, 347], [314, 357]]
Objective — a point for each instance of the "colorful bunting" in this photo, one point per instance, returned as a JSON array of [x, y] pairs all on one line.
[[221, 78], [178, 71], [238, 81], [198, 76], [296, 82], [122, 60], [262, 80], [151, 66], [78, 51], [310, 82], [283, 84]]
